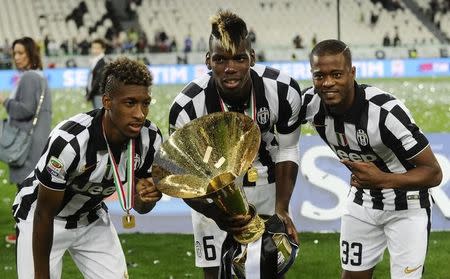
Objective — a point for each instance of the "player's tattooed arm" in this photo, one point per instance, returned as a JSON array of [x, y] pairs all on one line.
[[146, 195]]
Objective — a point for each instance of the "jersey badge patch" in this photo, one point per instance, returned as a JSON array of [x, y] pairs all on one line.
[[55, 167], [263, 116], [362, 137]]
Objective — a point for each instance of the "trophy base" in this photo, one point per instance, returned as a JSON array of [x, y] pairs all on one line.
[[254, 231]]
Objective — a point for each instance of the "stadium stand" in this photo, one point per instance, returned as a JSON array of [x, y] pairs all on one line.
[[143, 26]]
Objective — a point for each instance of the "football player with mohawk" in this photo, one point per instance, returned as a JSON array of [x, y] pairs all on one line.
[[272, 99]]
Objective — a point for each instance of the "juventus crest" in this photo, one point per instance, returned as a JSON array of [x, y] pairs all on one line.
[[362, 137], [263, 116]]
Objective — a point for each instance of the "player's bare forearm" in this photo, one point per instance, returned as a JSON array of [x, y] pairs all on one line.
[[47, 206], [146, 195], [42, 244], [285, 175]]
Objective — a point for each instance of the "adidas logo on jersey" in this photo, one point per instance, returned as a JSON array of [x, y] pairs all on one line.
[[95, 189], [353, 156]]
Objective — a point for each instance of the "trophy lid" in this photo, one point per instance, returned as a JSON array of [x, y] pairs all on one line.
[[222, 144]]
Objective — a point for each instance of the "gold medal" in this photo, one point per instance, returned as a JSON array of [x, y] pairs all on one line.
[[128, 221], [252, 175]]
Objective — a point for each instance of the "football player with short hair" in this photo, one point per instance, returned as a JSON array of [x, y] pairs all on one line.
[[391, 163], [272, 99], [87, 158]]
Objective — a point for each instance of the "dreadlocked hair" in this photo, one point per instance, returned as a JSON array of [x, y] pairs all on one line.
[[229, 29], [124, 71]]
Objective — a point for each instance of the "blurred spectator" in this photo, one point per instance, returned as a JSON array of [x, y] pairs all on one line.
[[252, 36], [261, 56], [84, 46], [64, 46], [298, 41], [396, 41], [373, 19], [98, 62], [142, 43], [173, 45], [187, 44], [201, 45], [46, 42], [314, 40], [386, 40], [53, 47], [162, 41]]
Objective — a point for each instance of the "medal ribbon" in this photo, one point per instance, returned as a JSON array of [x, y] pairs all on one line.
[[125, 192], [251, 110]]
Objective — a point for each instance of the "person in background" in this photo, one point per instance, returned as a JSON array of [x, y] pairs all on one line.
[[272, 99], [98, 62], [386, 40], [391, 163], [87, 157], [22, 103]]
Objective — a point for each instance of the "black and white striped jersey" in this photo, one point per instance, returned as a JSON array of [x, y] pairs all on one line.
[[277, 101], [75, 160], [378, 128]]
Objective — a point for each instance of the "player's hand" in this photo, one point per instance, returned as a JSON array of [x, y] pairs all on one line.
[[233, 224], [365, 174], [146, 191], [291, 230]]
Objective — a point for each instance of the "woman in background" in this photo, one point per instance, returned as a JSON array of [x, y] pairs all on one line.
[[22, 103]]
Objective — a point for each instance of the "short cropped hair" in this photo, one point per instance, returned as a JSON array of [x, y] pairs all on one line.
[[124, 71], [100, 42], [331, 47], [229, 29], [32, 50]]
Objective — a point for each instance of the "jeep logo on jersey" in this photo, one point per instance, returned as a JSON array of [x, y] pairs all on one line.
[[362, 137], [353, 156], [94, 189], [263, 116]]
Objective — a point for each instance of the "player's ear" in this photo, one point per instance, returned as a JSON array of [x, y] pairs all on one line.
[[252, 57], [208, 60], [106, 100]]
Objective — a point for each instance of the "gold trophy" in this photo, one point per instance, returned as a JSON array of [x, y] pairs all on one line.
[[204, 163]]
